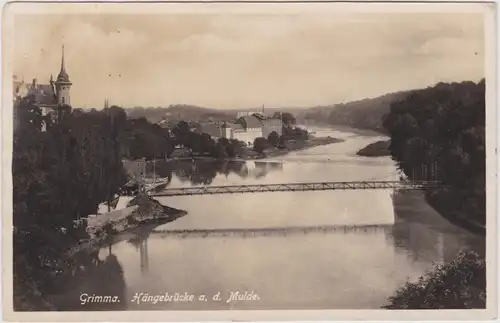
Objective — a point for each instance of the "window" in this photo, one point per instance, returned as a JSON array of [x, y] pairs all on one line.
[[63, 100]]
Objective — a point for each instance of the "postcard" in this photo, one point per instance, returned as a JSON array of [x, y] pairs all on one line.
[[249, 161]]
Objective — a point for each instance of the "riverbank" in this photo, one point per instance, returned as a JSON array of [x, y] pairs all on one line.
[[464, 289], [440, 202], [249, 153], [296, 145], [438, 199], [148, 213], [141, 210]]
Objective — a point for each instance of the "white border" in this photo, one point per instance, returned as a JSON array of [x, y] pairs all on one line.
[[246, 8]]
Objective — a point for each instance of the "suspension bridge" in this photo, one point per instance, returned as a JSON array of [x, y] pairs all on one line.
[[422, 179], [296, 187]]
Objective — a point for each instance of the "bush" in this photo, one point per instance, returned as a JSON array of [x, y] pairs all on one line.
[[274, 138], [460, 284], [281, 143], [260, 144]]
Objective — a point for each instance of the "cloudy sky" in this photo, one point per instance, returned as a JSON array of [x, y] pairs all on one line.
[[242, 61]]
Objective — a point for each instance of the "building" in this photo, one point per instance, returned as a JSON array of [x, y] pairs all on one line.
[[248, 128], [213, 129], [53, 99], [243, 114], [270, 124]]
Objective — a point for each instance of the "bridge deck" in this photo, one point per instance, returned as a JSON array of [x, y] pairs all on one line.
[[291, 187]]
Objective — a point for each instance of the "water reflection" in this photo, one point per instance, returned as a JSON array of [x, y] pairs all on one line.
[[140, 244], [271, 231], [203, 172], [424, 236], [98, 274]]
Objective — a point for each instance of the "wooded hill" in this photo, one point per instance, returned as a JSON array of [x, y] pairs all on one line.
[[363, 114]]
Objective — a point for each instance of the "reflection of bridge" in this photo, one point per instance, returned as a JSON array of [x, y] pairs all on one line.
[[270, 231], [293, 187]]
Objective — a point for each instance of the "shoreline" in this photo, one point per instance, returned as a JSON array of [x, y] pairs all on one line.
[[300, 145], [379, 148], [166, 215], [450, 216], [454, 218], [272, 152], [350, 129]]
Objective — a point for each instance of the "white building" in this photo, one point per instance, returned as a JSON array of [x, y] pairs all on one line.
[[243, 114], [248, 128]]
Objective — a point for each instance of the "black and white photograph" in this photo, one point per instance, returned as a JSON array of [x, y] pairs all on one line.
[[170, 159]]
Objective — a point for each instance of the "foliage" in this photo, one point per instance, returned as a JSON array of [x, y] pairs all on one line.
[[282, 143], [287, 118], [363, 114], [274, 138], [142, 139], [375, 149], [260, 144], [460, 284], [295, 133], [202, 144], [59, 175], [444, 126]]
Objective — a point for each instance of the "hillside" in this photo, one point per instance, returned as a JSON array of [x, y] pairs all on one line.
[[364, 114], [195, 113], [180, 112]]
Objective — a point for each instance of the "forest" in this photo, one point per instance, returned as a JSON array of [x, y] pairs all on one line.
[[438, 133]]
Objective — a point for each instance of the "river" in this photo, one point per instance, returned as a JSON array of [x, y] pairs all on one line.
[[295, 250]]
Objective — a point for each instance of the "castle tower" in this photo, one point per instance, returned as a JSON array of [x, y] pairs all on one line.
[[63, 84]]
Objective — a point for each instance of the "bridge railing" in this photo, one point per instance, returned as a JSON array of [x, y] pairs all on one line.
[[290, 187]]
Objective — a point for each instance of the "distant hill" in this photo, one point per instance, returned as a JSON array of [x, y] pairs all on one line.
[[195, 113], [180, 112], [364, 114]]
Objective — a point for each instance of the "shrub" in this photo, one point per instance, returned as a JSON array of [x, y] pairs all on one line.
[[260, 144], [460, 284], [274, 138]]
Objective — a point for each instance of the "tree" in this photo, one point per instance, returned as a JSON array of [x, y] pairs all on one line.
[[287, 118], [59, 175], [181, 133], [274, 138], [220, 151], [260, 144], [443, 125], [460, 284], [281, 143]]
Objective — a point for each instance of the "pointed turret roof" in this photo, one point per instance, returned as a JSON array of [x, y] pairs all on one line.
[[63, 75]]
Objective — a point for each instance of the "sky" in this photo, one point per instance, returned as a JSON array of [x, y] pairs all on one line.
[[231, 61]]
